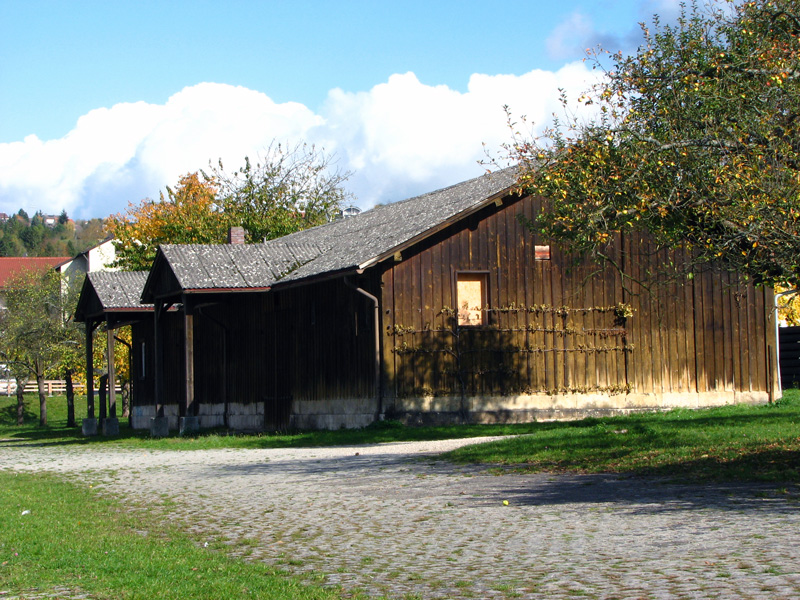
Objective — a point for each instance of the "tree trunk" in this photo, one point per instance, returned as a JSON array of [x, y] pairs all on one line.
[[70, 399], [42, 399], [20, 402]]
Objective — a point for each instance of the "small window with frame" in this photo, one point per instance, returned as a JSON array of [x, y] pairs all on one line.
[[471, 298]]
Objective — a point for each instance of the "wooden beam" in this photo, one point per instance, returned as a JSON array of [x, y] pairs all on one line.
[[188, 319], [158, 363], [501, 195], [112, 394], [89, 371]]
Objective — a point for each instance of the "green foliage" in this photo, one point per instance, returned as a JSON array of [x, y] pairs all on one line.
[[37, 337], [288, 190], [695, 142], [20, 236], [186, 215]]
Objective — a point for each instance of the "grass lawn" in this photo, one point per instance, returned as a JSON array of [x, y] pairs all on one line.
[[54, 533], [731, 443], [727, 443]]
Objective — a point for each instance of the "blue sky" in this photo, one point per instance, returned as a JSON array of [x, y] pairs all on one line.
[[104, 103]]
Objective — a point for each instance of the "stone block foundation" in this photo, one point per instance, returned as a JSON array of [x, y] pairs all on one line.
[[526, 408], [434, 410]]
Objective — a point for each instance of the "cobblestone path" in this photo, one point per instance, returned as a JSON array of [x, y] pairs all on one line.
[[391, 520]]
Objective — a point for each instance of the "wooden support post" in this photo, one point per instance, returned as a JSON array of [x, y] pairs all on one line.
[[773, 368], [112, 396], [102, 397], [89, 371], [158, 391], [188, 319]]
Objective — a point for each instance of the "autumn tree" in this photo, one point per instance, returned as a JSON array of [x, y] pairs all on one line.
[[285, 191], [187, 214], [36, 333], [697, 142]]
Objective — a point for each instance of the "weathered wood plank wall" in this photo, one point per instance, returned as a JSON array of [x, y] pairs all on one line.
[[790, 356], [306, 343], [551, 324], [143, 361]]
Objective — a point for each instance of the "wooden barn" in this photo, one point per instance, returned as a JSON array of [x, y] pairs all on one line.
[[442, 307]]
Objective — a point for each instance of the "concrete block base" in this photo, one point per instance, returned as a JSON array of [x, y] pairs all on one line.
[[335, 413], [526, 408], [110, 426], [159, 427], [89, 427], [187, 425]]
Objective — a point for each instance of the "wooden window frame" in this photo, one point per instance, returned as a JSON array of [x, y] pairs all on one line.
[[476, 275]]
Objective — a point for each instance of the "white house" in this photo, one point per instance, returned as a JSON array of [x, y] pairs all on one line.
[[99, 257]]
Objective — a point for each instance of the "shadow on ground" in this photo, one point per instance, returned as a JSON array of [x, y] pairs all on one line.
[[372, 475]]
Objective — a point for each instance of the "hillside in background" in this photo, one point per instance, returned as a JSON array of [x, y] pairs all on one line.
[[47, 235]]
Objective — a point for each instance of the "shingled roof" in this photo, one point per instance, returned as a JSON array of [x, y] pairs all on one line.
[[339, 246], [111, 292]]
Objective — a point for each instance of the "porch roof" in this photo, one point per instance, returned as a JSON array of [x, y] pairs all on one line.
[[111, 292]]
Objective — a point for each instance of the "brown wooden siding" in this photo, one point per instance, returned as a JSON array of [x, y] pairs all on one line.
[[307, 343], [552, 326], [143, 376], [323, 341], [142, 391]]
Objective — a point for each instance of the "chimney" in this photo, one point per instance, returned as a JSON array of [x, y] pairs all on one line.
[[236, 235]]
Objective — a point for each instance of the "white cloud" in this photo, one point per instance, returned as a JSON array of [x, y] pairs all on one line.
[[571, 37], [130, 151], [577, 33], [400, 138], [403, 137]]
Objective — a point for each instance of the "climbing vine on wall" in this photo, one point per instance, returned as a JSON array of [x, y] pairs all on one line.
[[468, 355]]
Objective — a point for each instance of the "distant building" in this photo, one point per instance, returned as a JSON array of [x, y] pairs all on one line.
[[346, 212], [99, 257], [10, 266]]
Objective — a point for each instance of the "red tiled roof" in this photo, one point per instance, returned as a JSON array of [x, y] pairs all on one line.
[[11, 265]]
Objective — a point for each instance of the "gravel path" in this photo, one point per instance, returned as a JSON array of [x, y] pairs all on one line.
[[390, 519]]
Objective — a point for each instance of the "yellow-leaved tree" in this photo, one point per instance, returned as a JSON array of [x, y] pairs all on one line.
[[187, 214]]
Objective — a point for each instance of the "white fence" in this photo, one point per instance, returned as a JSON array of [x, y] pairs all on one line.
[[52, 387]]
